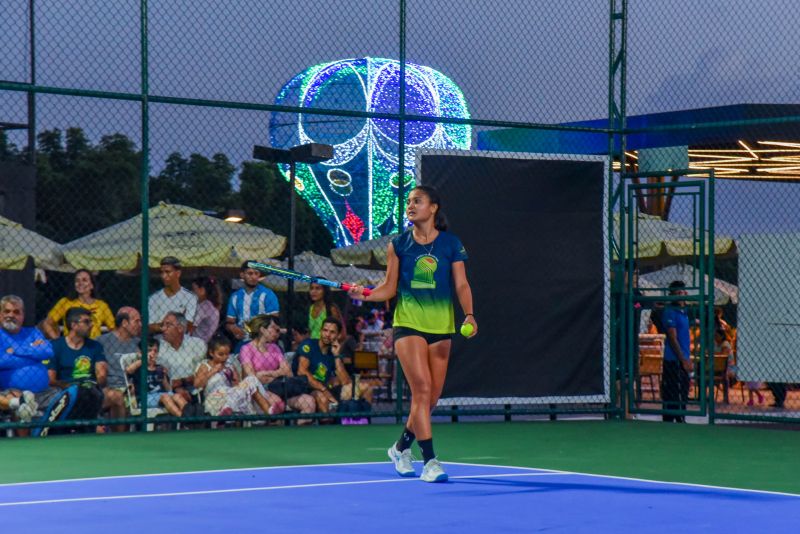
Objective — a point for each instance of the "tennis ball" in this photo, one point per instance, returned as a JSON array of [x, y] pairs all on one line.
[[467, 329]]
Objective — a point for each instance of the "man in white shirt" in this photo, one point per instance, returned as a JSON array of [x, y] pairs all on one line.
[[173, 298], [180, 353]]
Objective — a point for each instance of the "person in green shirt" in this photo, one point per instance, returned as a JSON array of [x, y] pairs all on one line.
[[423, 265]]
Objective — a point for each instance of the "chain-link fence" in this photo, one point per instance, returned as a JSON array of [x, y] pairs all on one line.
[[127, 141]]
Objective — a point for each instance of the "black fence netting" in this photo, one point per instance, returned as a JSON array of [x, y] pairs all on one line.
[[149, 151]]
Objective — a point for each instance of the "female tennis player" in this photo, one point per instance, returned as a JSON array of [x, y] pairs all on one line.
[[421, 263]]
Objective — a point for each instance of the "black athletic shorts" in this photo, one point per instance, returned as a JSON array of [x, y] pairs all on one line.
[[400, 332]]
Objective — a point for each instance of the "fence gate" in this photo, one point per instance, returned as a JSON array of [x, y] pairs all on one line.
[[666, 233]]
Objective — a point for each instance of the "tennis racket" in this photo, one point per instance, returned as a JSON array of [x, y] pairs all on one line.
[[300, 277]]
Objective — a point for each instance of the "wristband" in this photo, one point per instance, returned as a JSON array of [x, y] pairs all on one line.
[[468, 314]]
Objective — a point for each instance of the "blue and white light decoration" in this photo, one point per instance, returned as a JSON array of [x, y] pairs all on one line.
[[355, 193]]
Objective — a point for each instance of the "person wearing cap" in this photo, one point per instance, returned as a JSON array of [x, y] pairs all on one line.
[[173, 298]]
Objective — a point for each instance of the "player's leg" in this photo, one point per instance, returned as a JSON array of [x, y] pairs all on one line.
[[438, 357], [412, 351]]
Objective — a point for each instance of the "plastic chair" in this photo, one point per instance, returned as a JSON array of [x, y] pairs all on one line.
[[651, 361], [131, 399]]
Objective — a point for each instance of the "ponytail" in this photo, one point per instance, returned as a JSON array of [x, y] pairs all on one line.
[[440, 223], [440, 220]]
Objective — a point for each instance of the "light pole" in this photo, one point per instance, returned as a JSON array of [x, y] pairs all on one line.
[[309, 153]]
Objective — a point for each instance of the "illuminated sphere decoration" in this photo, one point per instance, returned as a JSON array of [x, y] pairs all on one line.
[[355, 193]]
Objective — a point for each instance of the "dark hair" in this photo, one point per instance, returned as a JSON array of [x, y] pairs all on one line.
[[440, 222], [217, 342], [209, 283], [677, 284], [300, 329], [254, 325], [245, 266], [723, 334], [74, 315], [172, 261], [333, 320], [326, 296], [152, 341], [73, 294]]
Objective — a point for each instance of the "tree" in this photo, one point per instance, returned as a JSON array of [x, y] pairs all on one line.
[[199, 182], [8, 150], [82, 188]]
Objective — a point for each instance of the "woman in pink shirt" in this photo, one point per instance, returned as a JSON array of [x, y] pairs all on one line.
[[263, 358]]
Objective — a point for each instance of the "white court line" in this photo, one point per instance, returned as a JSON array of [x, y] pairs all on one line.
[[262, 488], [185, 473], [706, 486], [537, 469]]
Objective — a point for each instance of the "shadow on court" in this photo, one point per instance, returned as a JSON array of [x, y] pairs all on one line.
[[508, 486]]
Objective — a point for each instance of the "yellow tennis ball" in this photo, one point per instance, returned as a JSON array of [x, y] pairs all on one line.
[[467, 329]]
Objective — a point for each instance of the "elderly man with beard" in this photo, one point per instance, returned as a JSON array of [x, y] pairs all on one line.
[[24, 351]]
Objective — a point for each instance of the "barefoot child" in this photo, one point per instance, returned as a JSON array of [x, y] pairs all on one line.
[[158, 384]]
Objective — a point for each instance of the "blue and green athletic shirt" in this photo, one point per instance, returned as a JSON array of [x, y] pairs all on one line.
[[322, 366], [424, 291]]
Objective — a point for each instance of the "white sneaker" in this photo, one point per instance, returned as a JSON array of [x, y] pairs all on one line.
[[433, 472], [402, 461], [27, 407]]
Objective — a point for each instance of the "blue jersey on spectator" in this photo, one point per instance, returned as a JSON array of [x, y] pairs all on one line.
[[678, 319], [321, 366], [243, 306], [23, 357], [73, 365]]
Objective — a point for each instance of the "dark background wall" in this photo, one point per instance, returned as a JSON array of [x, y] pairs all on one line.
[[18, 203]]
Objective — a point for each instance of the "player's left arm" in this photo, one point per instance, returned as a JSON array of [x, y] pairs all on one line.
[[464, 294]]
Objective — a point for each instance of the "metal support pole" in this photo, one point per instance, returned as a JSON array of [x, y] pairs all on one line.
[[401, 160], [32, 94], [290, 258], [620, 342], [144, 285]]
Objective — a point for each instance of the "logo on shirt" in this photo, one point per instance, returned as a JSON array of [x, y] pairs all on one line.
[[82, 367], [306, 349], [321, 372], [424, 270]]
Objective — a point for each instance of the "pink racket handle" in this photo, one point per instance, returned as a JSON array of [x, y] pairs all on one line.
[[366, 292]]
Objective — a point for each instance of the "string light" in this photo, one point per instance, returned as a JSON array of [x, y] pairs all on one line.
[[355, 192]]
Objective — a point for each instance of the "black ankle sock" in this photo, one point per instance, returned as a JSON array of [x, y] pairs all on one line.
[[406, 439], [427, 449]]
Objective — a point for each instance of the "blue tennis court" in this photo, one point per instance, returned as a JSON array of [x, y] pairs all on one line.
[[369, 497]]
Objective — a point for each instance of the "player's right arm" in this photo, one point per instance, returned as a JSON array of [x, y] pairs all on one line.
[[388, 288]]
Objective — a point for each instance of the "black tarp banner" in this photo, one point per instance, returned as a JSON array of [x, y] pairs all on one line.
[[535, 232]]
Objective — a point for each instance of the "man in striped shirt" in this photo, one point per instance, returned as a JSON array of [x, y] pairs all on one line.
[[251, 300]]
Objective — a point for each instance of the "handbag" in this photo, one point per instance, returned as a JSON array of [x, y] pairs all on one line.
[[289, 386]]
